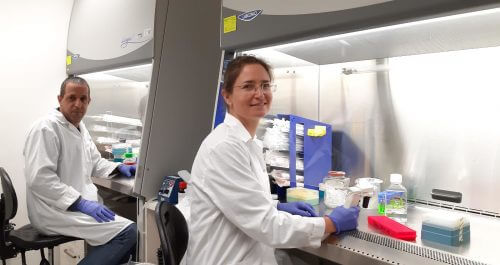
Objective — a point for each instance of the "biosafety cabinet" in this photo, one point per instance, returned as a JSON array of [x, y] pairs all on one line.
[[153, 77], [110, 44], [153, 69], [409, 87]]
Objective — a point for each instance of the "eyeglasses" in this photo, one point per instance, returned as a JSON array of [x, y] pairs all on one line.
[[252, 87]]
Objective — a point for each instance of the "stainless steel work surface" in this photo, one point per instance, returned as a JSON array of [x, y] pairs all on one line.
[[120, 184], [367, 245]]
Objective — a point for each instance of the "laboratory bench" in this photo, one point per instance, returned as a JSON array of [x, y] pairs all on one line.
[[367, 245], [119, 184], [117, 194]]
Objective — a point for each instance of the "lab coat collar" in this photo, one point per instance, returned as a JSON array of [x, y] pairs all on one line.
[[60, 117], [239, 130]]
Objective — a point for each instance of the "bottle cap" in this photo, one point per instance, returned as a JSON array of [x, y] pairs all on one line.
[[336, 173], [128, 155], [396, 178], [182, 185]]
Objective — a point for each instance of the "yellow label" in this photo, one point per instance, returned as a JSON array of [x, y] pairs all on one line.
[[68, 60], [317, 131], [230, 24]]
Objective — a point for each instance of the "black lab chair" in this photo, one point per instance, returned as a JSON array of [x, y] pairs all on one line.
[[173, 230], [26, 238]]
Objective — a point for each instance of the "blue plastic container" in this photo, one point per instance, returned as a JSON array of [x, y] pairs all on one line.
[[445, 235], [118, 150]]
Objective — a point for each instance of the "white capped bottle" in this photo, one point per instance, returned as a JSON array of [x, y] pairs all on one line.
[[396, 206]]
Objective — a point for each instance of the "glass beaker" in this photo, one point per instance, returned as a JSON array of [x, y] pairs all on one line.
[[335, 190]]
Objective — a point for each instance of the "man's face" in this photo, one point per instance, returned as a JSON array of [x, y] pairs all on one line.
[[73, 105]]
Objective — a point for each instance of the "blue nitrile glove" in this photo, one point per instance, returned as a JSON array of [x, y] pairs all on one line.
[[297, 208], [127, 170], [100, 212], [344, 218]]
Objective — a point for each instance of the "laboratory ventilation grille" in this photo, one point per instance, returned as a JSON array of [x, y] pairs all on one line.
[[424, 252]]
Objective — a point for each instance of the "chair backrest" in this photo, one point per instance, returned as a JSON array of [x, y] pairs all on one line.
[[8, 209], [174, 233], [9, 198]]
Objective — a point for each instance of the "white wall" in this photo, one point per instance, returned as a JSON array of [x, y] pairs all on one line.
[[33, 37]]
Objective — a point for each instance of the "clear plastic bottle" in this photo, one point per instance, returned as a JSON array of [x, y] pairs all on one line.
[[396, 205]]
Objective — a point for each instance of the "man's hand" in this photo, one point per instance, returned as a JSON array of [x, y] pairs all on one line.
[[127, 170], [100, 212]]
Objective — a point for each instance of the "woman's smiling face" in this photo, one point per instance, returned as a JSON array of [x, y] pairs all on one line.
[[251, 96]]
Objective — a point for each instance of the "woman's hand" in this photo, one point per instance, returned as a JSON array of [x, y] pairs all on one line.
[[297, 208]]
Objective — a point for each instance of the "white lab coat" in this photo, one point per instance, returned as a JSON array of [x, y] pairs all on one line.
[[59, 163], [233, 217]]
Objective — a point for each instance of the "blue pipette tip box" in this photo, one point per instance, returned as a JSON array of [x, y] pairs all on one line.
[[451, 236]]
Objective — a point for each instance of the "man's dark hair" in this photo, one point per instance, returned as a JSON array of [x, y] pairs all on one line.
[[75, 80]]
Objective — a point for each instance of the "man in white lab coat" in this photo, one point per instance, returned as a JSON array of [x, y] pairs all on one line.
[[60, 159]]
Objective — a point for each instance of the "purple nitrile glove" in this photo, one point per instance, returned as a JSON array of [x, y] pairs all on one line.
[[344, 218], [100, 212], [127, 170], [297, 208]]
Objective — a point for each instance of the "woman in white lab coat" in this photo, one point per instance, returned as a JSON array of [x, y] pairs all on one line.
[[233, 217]]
